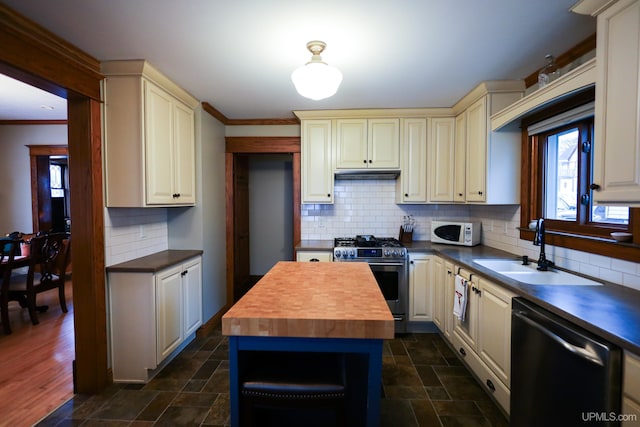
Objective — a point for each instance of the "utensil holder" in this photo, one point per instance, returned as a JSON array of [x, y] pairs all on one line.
[[405, 236]]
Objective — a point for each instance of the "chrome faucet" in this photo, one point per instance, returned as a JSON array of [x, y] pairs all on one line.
[[538, 240]]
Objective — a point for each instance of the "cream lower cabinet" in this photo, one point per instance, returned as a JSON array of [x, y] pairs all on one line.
[[151, 315], [411, 185], [314, 256], [483, 339], [149, 138], [631, 390], [443, 292], [316, 161], [421, 280]]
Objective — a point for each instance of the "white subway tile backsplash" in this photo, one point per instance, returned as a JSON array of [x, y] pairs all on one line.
[[132, 233], [368, 207]]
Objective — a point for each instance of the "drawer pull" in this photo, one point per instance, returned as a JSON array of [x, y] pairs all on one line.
[[491, 386], [462, 352]]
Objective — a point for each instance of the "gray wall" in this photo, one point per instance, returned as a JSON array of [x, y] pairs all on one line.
[[203, 226], [15, 171], [270, 211]]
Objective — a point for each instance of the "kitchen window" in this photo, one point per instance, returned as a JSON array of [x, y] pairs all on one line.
[[557, 160]]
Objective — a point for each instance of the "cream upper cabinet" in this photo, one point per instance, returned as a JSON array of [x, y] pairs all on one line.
[[367, 143], [475, 181], [460, 160], [411, 185], [492, 158], [617, 110], [441, 159], [316, 161], [421, 287], [149, 138]]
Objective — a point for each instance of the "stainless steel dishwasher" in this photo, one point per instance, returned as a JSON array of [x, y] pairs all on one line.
[[561, 374]]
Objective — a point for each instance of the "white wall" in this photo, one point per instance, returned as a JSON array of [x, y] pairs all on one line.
[[15, 171], [270, 213], [368, 207]]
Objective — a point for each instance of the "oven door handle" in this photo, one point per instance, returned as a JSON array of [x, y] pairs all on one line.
[[387, 264]]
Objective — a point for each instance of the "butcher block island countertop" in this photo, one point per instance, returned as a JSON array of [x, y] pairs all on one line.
[[315, 300]]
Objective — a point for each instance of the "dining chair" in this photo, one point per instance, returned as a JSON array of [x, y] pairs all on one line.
[[9, 248], [47, 270]]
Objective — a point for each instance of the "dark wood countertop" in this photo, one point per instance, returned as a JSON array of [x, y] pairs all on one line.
[[154, 262], [610, 311]]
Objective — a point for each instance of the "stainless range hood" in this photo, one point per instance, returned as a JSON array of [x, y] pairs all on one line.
[[367, 174]]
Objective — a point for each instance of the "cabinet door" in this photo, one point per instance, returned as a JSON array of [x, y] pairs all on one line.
[[168, 312], [412, 181], [384, 143], [449, 290], [476, 151], [439, 283], [459, 172], [351, 144], [494, 329], [442, 146], [317, 166], [631, 389], [467, 330], [314, 256], [158, 145], [192, 290], [184, 155], [420, 287], [617, 115]]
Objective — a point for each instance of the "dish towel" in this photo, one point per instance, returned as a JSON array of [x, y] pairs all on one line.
[[460, 297]]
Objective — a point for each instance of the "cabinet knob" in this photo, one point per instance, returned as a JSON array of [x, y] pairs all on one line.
[[480, 193], [491, 386], [370, 161], [595, 186], [460, 194], [462, 352], [406, 194], [328, 194], [364, 161]]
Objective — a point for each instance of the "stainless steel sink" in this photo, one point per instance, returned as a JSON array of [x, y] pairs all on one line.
[[529, 275]]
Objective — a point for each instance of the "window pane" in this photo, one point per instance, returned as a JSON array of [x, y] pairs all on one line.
[[610, 214], [561, 178], [55, 174]]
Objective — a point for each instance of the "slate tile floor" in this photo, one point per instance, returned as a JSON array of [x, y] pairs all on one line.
[[424, 384]]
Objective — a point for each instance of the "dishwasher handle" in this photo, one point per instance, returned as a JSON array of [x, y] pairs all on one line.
[[584, 353]]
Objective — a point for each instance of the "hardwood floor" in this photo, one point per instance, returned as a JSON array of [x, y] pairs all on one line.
[[36, 361]]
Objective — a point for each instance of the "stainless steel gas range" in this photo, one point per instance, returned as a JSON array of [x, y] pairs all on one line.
[[387, 258]]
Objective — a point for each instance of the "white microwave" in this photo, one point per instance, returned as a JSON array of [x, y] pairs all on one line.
[[456, 232]]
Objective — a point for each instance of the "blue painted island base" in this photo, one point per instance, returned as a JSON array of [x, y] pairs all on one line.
[[363, 368]]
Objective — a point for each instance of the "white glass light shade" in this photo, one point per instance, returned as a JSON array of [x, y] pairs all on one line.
[[316, 80]]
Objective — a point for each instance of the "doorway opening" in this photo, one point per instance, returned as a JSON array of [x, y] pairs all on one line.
[[50, 204], [261, 211], [263, 198]]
